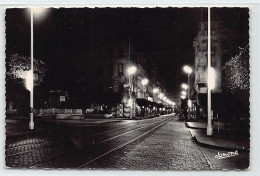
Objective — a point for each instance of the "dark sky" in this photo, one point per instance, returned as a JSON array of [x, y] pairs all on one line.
[[164, 35]]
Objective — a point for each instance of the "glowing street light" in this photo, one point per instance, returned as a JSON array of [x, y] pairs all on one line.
[[161, 96], [183, 93], [28, 80], [183, 97], [212, 75], [131, 70], [144, 81], [130, 102], [189, 103], [187, 69], [184, 86], [155, 90]]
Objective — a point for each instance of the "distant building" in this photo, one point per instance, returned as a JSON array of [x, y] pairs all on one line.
[[123, 85]]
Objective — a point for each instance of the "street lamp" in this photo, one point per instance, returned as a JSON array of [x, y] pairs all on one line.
[[155, 90], [29, 80], [212, 75], [184, 86], [161, 95], [188, 70], [183, 96], [131, 70], [183, 93], [144, 82]]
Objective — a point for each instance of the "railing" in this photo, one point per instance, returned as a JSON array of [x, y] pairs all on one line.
[[54, 111]]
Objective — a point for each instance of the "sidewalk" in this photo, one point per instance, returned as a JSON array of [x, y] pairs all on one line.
[[220, 139]]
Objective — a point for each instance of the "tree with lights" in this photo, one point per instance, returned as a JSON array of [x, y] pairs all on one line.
[[236, 72], [236, 81], [18, 67]]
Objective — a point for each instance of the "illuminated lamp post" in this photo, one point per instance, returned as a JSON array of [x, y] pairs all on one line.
[[131, 71], [29, 77], [188, 70]]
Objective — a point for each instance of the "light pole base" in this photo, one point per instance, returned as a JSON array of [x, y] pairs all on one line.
[[31, 123], [209, 131]]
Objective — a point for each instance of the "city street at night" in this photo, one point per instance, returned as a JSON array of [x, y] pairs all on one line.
[[127, 88], [159, 143]]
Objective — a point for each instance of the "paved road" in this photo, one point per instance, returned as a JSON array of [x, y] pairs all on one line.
[[158, 143]]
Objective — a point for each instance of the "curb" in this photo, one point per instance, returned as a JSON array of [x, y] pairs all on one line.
[[199, 128], [218, 147], [213, 146]]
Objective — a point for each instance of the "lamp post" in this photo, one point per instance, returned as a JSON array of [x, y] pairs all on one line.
[[30, 78], [31, 123], [188, 70], [209, 126], [131, 70]]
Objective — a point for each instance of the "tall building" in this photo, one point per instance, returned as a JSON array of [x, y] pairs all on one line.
[[221, 51]]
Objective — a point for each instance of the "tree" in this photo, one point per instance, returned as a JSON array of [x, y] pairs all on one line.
[[237, 84], [18, 66], [236, 71]]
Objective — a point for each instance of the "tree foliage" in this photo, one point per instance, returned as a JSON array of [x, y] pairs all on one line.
[[236, 71], [18, 66]]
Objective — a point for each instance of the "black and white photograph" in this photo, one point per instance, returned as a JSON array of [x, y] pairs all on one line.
[[127, 88]]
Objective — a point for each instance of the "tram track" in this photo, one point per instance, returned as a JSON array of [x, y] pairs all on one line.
[[98, 150], [118, 134], [124, 144]]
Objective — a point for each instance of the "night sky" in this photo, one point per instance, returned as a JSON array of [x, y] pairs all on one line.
[[164, 35]]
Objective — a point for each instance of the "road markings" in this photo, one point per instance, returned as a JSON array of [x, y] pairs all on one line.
[[124, 144]]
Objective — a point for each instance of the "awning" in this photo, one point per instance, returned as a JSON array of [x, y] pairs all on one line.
[[142, 102], [160, 105]]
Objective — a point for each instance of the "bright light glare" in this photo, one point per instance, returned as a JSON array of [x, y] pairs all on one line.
[[173, 103], [184, 93], [29, 80], [212, 76], [144, 81], [155, 90], [161, 96], [184, 86], [183, 97], [187, 69], [130, 102], [38, 10], [131, 70], [189, 103]]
